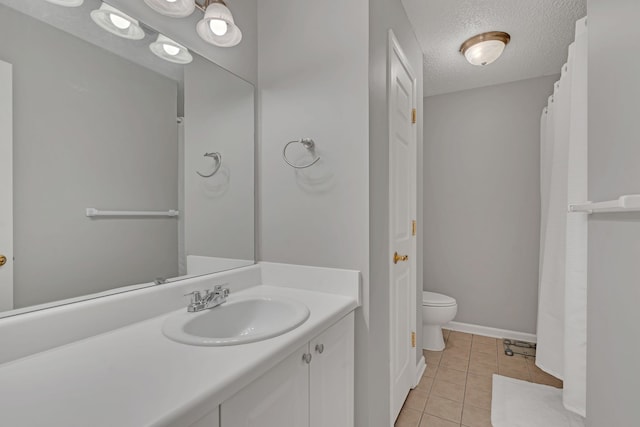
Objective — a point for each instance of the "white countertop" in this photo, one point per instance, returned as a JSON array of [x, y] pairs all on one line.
[[135, 376]]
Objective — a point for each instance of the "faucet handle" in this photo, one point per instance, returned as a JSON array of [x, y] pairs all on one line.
[[219, 290], [196, 297]]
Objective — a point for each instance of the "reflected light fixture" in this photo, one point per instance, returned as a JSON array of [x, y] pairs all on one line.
[[117, 22], [485, 48], [217, 27], [67, 3], [172, 8], [170, 50]]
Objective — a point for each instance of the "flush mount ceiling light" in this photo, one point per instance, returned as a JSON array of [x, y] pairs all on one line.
[[117, 22], [172, 8], [67, 3], [170, 50], [217, 26], [485, 48]]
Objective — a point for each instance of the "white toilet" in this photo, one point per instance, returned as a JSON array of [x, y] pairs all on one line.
[[437, 310]]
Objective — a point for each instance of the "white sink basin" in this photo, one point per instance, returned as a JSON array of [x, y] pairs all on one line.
[[238, 321]]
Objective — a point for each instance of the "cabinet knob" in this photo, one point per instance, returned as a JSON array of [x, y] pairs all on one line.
[[319, 348], [307, 357]]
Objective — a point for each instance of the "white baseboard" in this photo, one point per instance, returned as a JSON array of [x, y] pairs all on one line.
[[422, 365], [490, 332]]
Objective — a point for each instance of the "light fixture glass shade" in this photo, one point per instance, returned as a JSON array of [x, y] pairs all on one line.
[[173, 8], [170, 50], [217, 26], [67, 3], [484, 53], [485, 48], [117, 22]]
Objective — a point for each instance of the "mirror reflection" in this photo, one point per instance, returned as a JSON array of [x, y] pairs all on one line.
[[132, 157]]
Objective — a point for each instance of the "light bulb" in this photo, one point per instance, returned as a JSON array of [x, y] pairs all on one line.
[[119, 21], [171, 49], [218, 27], [171, 1]]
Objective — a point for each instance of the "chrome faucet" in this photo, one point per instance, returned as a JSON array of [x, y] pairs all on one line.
[[209, 300]]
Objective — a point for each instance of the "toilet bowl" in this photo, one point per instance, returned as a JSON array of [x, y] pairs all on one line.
[[437, 310]]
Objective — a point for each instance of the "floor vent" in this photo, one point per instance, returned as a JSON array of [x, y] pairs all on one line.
[[523, 348]]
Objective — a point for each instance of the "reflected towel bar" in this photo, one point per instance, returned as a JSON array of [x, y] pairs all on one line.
[[93, 212], [628, 203]]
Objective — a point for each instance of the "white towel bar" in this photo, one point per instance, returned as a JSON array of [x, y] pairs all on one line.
[[93, 212], [628, 203]]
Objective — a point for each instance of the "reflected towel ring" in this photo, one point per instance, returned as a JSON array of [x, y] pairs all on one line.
[[306, 143], [217, 157]]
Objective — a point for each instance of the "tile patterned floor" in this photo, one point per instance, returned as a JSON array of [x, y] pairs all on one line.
[[456, 387]]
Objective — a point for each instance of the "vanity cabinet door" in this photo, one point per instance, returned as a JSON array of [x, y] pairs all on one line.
[[332, 376], [279, 398]]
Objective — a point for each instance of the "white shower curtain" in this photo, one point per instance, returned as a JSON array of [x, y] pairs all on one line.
[[562, 306]]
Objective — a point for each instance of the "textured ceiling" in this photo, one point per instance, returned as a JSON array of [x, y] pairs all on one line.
[[541, 31]]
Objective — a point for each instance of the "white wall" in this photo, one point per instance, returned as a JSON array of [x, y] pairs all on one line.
[[385, 15], [313, 83], [482, 201], [91, 130], [613, 378]]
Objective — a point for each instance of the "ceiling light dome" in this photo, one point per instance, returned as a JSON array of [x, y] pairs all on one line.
[[170, 50], [117, 22], [217, 27], [173, 8], [485, 48], [67, 3]]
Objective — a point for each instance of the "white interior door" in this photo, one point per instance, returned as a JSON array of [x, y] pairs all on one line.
[[6, 187], [402, 213]]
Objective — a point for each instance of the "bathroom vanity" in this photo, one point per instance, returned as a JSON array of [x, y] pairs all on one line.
[[136, 376], [153, 166]]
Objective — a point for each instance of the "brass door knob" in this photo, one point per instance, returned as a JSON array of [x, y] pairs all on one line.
[[397, 257], [3, 260]]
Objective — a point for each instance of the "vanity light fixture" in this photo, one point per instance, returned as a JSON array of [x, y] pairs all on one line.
[[117, 22], [67, 3], [217, 27], [485, 48], [172, 8], [170, 50]]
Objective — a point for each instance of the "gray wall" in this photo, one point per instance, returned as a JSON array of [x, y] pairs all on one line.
[[482, 201], [90, 130], [313, 83], [219, 117], [613, 378], [385, 15]]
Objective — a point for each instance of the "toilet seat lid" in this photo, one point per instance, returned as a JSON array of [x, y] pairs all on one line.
[[433, 299]]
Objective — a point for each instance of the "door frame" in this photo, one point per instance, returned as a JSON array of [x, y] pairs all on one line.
[[394, 48], [6, 178]]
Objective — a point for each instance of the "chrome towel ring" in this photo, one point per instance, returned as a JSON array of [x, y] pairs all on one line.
[[306, 143], [217, 158]]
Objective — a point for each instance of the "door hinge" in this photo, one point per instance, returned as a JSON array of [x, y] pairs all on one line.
[[414, 116], [414, 227], [413, 339]]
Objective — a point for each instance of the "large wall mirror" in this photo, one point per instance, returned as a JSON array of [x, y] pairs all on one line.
[[162, 151]]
